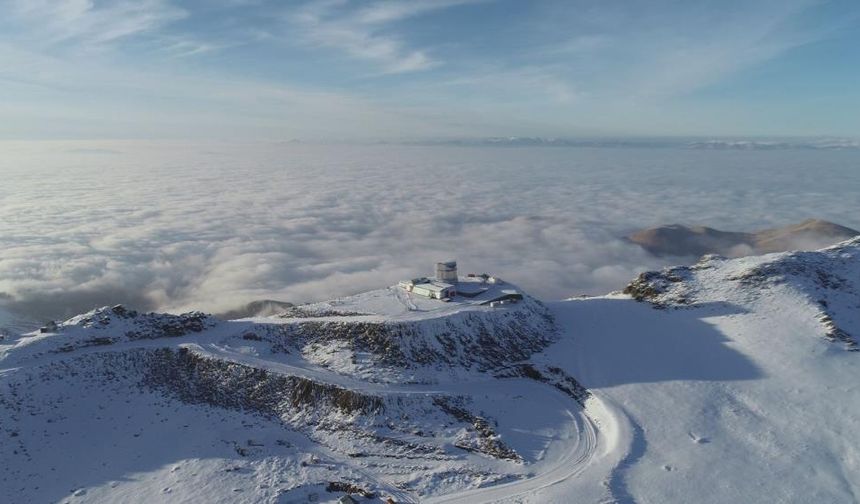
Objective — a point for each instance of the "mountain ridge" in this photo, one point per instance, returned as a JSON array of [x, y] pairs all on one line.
[[387, 396], [684, 240]]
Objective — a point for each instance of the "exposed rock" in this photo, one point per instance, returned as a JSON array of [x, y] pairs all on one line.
[[143, 325], [305, 312], [349, 488], [654, 287], [197, 379], [482, 340], [823, 277], [837, 334], [552, 375], [487, 442]]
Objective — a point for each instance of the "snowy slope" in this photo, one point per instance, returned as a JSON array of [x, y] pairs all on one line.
[[727, 381], [730, 378], [285, 408]]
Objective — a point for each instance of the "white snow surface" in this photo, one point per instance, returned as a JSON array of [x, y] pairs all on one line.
[[732, 381]]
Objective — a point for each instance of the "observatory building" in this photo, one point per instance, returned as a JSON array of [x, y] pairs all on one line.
[[474, 289], [446, 271], [435, 290], [442, 287]]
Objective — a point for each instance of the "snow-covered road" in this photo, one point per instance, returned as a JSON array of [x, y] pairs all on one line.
[[599, 430], [318, 374], [567, 457], [594, 439]]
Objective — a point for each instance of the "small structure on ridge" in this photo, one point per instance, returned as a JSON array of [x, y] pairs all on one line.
[[446, 271], [443, 287], [473, 288]]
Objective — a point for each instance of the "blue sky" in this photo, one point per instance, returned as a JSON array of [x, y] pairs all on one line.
[[348, 69]]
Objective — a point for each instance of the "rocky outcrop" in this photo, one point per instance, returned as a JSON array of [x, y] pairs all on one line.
[[487, 441], [479, 340], [551, 375], [829, 279], [836, 334], [136, 326], [662, 288], [196, 379]]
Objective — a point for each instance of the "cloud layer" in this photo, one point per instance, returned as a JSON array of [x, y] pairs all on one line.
[[178, 226]]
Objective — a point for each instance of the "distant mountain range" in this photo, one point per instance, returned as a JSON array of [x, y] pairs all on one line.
[[681, 240], [646, 142], [818, 144]]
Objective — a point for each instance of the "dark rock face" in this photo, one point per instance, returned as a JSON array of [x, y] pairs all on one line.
[[681, 240], [487, 442], [304, 312], [111, 325], [800, 265], [170, 326], [98, 341], [349, 488], [196, 379], [838, 335], [380, 339], [552, 375], [654, 286], [471, 340], [148, 325], [368, 425]]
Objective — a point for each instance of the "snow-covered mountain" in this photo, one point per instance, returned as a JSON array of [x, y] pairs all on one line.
[[733, 380]]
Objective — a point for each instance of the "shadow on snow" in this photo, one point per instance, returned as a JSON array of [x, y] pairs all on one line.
[[622, 341]]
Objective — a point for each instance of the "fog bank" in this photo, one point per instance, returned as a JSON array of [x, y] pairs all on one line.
[[178, 226]]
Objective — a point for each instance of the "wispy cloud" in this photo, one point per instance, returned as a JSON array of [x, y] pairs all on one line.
[[90, 23], [545, 83], [663, 49], [181, 47], [394, 10], [201, 105], [720, 44], [358, 31], [554, 68]]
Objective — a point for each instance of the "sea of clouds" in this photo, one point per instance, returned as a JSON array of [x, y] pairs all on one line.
[[180, 226]]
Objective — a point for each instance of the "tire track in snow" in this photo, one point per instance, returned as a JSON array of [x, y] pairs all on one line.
[[587, 429], [617, 483], [578, 450], [575, 450], [592, 433]]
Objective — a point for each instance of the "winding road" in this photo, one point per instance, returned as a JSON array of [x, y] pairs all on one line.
[[596, 438], [599, 434]]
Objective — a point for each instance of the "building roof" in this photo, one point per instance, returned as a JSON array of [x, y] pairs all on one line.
[[434, 287]]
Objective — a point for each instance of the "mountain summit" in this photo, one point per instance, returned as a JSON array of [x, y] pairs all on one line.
[[682, 240], [739, 371]]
